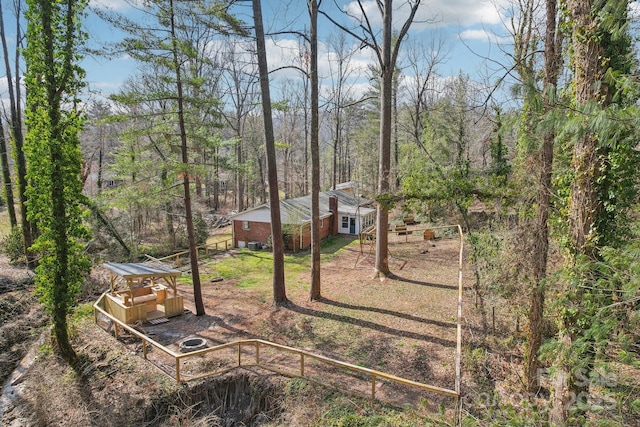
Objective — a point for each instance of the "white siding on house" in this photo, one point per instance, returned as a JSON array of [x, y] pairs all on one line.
[[298, 211], [363, 217], [259, 214]]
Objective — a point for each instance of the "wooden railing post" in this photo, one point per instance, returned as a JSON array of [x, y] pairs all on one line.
[[278, 347], [373, 386]]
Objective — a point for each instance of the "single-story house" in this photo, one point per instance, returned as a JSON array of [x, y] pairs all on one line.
[[341, 212]]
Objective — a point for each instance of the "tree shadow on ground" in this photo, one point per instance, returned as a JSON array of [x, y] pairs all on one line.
[[388, 312], [371, 325], [422, 283], [329, 246]]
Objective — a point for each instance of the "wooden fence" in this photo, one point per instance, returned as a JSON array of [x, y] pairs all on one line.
[[202, 249], [305, 358]]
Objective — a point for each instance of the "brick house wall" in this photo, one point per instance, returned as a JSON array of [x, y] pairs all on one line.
[[257, 232], [325, 231], [260, 232]]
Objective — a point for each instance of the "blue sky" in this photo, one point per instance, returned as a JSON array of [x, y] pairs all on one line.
[[469, 29], [475, 34]]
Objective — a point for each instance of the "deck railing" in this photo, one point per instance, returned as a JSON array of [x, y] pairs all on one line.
[[209, 247], [305, 358]]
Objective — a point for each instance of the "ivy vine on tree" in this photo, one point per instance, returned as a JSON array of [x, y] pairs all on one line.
[[53, 120]]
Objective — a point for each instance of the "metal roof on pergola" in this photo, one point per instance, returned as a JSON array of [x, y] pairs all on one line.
[[136, 272]]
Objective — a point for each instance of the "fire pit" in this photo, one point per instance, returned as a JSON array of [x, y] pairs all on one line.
[[192, 344]]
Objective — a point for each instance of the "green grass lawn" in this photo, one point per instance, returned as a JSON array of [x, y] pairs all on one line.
[[220, 236], [255, 268]]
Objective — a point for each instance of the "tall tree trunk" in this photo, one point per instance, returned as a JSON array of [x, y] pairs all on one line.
[[305, 179], [100, 166], [315, 291], [216, 180], [336, 141], [28, 229], [193, 250], [240, 161], [552, 60], [279, 290], [7, 188], [384, 162], [589, 63], [396, 148], [54, 154]]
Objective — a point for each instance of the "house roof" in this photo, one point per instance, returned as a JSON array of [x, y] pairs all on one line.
[[298, 210]]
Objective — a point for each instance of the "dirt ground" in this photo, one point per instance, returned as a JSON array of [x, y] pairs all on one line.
[[404, 325]]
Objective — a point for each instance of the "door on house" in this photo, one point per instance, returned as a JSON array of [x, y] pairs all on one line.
[[352, 226]]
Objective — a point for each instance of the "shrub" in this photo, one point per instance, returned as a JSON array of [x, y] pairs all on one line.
[[200, 229], [13, 246]]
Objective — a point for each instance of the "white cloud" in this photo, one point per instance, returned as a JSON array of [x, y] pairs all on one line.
[[4, 88], [106, 86], [634, 10], [436, 13], [485, 36], [114, 4]]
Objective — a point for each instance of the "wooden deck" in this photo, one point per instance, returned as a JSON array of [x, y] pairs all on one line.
[[169, 307]]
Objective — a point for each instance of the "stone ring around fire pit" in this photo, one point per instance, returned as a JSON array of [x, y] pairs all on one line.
[[192, 344]]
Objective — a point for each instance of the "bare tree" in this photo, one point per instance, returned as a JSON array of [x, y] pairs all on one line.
[[279, 289], [386, 51], [340, 94], [241, 79], [552, 63], [423, 60], [7, 188], [315, 291], [4, 158], [15, 122]]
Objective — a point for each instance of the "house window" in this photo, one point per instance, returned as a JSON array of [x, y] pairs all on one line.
[[369, 219], [322, 223], [345, 222], [245, 225]]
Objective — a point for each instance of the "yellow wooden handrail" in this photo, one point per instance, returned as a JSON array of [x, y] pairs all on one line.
[[207, 247], [257, 343]]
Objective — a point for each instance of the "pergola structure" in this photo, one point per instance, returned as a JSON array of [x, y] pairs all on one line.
[[143, 292]]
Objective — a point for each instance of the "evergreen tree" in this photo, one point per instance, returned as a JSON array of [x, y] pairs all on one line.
[[178, 45]]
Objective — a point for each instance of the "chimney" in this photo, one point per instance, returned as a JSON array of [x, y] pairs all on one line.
[[333, 208]]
